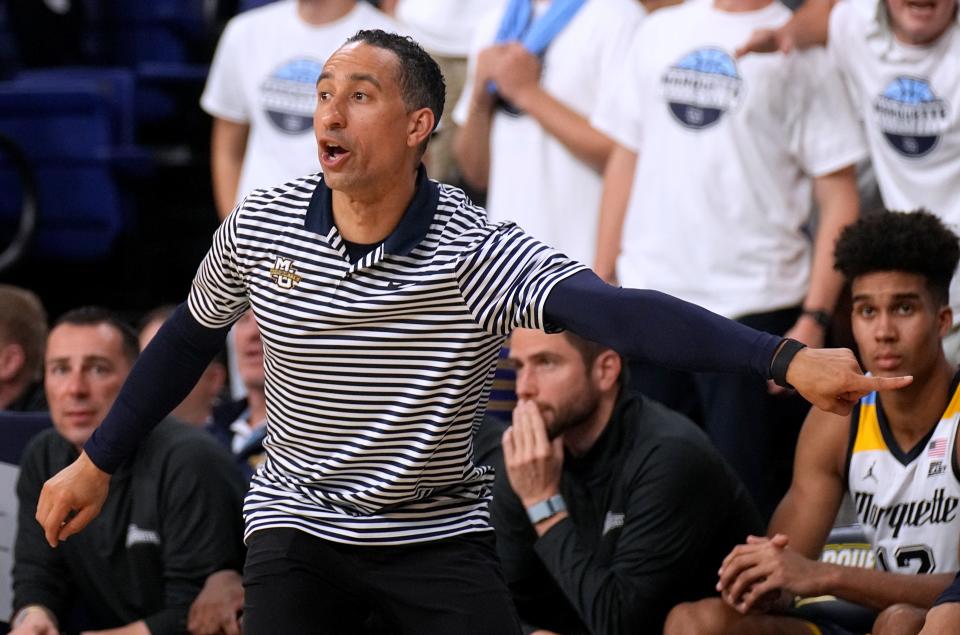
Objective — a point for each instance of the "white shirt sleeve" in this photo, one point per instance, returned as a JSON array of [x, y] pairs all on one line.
[[218, 295], [506, 277], [619, 112], [829, 136], [223, 94]]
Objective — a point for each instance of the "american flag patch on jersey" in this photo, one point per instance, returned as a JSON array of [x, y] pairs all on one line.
[[937, 448]]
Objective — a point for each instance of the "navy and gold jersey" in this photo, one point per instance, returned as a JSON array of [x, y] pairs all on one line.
[[906, 502]]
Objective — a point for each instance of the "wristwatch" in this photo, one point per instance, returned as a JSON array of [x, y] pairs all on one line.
[[821, 317], [545, 509]]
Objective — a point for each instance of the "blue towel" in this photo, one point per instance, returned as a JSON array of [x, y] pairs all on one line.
[[536, 36]]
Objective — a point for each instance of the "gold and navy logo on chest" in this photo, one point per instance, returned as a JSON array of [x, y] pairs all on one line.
[[284, 273]]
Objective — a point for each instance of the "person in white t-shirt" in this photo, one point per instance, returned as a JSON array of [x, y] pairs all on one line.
[[901, 62], [541, 161], [261, 90], [445, 28], [707, 195]]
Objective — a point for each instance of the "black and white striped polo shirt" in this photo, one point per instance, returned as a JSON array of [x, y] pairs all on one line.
[[378, 371]]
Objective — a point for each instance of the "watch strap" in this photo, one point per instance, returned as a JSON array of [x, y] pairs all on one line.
[[546, 508], [781, 361]]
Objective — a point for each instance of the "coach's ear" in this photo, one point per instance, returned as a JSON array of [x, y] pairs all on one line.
[[420, 126]]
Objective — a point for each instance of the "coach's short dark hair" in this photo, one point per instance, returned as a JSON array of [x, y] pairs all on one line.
[[421, 82], [94, 315], [914, 242]]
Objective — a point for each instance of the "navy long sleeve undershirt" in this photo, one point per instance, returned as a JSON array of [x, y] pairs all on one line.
[[165, 373], [657, 328], [645, 325]]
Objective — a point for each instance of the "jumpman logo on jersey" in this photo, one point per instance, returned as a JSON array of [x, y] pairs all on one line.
[[870, 473]]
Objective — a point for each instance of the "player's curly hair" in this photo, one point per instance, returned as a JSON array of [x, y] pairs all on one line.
[[914, 242]]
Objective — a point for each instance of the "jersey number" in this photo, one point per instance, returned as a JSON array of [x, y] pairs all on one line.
[[903, 556]]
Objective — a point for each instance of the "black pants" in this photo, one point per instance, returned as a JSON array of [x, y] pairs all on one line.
[[755, 432], [296, 583]]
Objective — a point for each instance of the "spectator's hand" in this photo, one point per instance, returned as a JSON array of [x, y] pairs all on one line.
[[216, 609], [767, 41], [532, 460], [516, 73], [71, 498], [484, 73], [805, 330], [755, 575], [36, 621], [831, 379]]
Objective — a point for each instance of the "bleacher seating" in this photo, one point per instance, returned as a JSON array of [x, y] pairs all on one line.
[[76, 128]]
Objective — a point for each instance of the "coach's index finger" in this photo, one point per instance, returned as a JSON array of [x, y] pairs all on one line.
[[871, 384]]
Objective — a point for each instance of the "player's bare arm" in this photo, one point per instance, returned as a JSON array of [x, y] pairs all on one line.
[[761, 568]]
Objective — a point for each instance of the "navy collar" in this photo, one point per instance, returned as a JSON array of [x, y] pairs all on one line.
[[409, 232]]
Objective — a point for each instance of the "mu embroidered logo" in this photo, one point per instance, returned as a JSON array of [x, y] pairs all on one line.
[[284, 274]]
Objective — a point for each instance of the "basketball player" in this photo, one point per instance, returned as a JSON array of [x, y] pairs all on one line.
[[896, 455]]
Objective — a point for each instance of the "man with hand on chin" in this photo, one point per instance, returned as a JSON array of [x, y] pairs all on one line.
[[613, 508]]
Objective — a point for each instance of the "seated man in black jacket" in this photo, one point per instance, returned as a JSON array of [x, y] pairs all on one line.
[[172, 516], [613, 508]]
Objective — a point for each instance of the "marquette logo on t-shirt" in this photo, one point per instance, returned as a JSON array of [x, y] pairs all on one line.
[[910, 116], [701, 87], [289, 95]]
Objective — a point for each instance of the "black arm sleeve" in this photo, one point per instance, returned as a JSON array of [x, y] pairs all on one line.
[[164, 374], [657, 328]]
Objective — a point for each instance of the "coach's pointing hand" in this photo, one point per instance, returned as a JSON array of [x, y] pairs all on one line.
[[831, 379], [71, 499]]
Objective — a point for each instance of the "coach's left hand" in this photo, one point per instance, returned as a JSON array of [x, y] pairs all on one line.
[[71, 498]]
